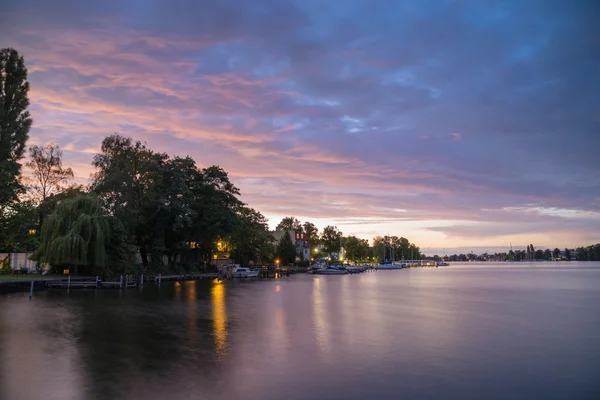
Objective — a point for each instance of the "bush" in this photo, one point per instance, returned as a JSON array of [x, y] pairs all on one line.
[[303, 263], [5, 267]]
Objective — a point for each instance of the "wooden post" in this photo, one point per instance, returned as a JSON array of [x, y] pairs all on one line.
[[126, 281], [69, 282], [121, 282], [96, 282], [31, 290], [159, 278], [142, 280]]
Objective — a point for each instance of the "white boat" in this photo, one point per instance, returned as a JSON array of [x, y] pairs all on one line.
[[242, 272], [442, 264], [391, 266], [330, 271]]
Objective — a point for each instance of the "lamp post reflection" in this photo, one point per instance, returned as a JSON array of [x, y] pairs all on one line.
[[190, 295], [219, 317], [321, 327]]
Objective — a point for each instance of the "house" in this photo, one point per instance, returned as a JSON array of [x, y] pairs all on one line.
[[299, 239], [302, 246]]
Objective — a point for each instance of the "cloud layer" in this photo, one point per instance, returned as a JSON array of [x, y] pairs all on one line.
[[451, 123]]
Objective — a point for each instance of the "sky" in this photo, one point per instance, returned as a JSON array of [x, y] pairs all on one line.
[[457, 124]]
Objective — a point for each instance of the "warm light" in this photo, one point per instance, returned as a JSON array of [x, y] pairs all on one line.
[[215, 256], [32, 231], [219, 316], [277, 261]]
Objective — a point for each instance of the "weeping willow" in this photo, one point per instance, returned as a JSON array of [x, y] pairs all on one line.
[[77, 233]]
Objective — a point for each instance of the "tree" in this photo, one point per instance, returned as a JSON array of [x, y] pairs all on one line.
[[129, 180], [539, 254], [17, 228], [15, 122], [594, 252], [379, 247], [556, 253], [331, 239], [290, 224], [356, 249], [312, 232], [582, 254], [547, 254], [252, 241], [567, 254], [49, 176], [165, 203], [78, 234], [286, 250]]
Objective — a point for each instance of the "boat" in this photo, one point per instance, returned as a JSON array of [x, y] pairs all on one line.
[[331, 271], [389, 265], [442, 264], [353, 270], [243, 272]]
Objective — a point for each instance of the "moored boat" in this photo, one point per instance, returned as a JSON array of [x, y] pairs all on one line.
[[331, 271], [391, 266], [243, 272]]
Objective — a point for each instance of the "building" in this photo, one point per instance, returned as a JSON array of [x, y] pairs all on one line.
[[302, 246], [299, 239]]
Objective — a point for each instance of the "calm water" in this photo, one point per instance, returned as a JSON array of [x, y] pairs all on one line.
[[466, 331]]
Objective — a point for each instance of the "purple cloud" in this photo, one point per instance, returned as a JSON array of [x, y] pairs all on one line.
[[343, 112]]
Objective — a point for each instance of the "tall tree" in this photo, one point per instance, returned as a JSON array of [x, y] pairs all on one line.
[[356, 249], [539, 254], [15, 122], [164, 202], [556, 253], [567, 254], [215, 207], [379, 248], [547, 254], [583, 253], [48, 175], [252, 241], [286, 250], [127, 179], [331, 239], [594, 252], [312, 232], [290, 224]]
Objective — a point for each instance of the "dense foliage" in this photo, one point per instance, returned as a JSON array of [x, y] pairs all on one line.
[[15, 123], [286, 250], [78, 234]]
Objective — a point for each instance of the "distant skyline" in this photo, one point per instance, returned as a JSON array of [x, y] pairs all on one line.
[[456, 124]]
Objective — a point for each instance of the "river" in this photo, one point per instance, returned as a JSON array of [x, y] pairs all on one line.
[[493, 331]]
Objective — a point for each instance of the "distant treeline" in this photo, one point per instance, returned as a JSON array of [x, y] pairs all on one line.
[[589, 253]]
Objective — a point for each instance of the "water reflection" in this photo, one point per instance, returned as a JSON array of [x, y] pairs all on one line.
[[177, 286], [219, 317], [423, 333], [321, 329], [192, 310]]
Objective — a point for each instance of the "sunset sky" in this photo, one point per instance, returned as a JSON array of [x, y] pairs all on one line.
[[457, 124]]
